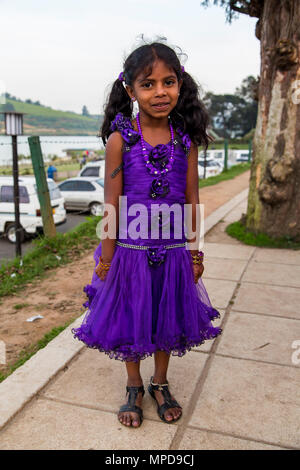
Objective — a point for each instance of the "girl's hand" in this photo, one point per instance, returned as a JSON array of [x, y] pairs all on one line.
[[101, 273], [198, 271]]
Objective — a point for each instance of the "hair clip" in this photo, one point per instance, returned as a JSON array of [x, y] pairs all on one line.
[[121, 77], [182, 69]]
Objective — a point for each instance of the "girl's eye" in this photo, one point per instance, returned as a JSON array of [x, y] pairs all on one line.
[[149, 84]]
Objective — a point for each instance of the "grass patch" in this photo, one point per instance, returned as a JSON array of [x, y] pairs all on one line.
[[240, 232], [231, 146], [48, 253], [19, 306], [28, 352], [232, 172]]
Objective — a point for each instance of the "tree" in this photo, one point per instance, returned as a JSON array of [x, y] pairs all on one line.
[[7, 107], [233, 115], [274, 192], [85, 111]]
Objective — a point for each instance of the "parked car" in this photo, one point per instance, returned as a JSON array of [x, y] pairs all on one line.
[[83, 193], [30, 210], [93, 169], [213, 168], [219, 156]]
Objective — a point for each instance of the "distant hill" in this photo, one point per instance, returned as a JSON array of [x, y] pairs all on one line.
[[43, 120]]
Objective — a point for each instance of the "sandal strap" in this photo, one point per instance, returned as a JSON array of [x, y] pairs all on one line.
[[133, 409], [169, 402], [132, 395], [158, 386], [166, 406]]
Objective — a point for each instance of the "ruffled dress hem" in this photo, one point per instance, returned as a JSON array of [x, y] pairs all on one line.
[[177, 346]]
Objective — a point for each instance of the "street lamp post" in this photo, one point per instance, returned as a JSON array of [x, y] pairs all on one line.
[[14, 127]]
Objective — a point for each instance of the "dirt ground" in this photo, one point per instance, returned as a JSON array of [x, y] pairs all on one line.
[[59, 296]]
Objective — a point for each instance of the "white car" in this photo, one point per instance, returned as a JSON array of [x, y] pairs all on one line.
[[219, 156], [83, 193], [213, 168], [29, 206], [93, 169]]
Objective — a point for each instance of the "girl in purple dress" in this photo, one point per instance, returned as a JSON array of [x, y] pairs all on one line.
[[146, 295]]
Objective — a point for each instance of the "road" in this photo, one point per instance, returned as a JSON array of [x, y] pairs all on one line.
[[7, 249]]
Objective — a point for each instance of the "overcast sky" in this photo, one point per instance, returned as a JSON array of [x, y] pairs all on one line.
[[66, 53]]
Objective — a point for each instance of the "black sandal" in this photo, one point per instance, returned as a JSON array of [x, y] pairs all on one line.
[[169, 401], [131, 406]]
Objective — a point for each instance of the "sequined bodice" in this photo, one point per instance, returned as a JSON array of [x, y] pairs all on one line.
[[150, 214]]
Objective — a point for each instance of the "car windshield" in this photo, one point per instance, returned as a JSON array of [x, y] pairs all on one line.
[[54, 191], [208, 163], [100, 181]]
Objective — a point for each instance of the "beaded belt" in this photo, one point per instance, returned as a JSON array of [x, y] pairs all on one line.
[[156, 255], [143, 247]]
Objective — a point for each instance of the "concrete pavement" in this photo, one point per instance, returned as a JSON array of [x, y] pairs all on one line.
[[240, 391]]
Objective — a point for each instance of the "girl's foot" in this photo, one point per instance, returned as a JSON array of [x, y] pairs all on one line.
[[172, 413], [132, 418]]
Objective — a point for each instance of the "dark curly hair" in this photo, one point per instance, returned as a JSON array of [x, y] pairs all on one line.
[[189, 113]]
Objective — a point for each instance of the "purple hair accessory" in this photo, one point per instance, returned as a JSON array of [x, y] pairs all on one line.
[[182, 69], [121, 77]]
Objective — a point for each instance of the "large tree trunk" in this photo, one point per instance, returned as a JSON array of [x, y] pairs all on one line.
[[274, 193]]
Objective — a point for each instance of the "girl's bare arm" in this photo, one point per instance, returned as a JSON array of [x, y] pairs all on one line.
[[192, 192], [192, 197], [113, 188]]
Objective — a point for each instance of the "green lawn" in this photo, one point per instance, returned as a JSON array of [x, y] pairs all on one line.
[[235, 170], [35, 110]]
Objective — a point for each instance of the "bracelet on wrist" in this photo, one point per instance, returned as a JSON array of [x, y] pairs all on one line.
[[198, 258], [104, 266]]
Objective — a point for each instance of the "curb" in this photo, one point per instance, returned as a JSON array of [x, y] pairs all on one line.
[[26, 381], [222, 211], [23, 384]]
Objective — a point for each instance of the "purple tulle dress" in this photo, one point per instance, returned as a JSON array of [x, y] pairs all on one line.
[[149, 300]]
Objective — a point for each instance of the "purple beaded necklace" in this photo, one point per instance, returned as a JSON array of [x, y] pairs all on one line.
[[153, 170]]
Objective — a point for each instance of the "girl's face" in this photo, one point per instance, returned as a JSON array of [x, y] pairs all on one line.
[[156, 94]]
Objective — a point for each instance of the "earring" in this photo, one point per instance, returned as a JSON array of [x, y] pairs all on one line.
[[133, 98]]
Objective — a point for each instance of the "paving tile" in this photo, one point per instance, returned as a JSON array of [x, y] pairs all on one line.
[[196, 439], [234, 215], [259, 337], [268, 299], [252, 400], [219, 291], [18, 388], [225, 250], [272, 255], [272, 273], [49, 425], [95, 380], [222, 268]]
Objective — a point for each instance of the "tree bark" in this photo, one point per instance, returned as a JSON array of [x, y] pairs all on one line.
[[274, 192]]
